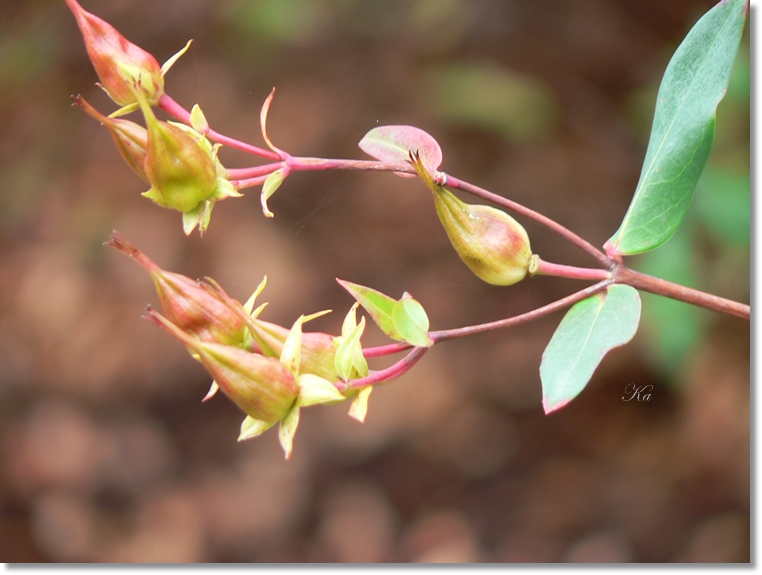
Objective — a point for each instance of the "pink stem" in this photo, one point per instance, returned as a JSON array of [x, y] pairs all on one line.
[[251, 182], [532, 215], [561, 270], [389, 373], [438, 336], [253, 172], [384, 350], [176, 110]]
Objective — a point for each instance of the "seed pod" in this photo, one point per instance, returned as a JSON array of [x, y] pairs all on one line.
[[121, 66], [263, 387], [131, 139], [490, 242], [186, 302]]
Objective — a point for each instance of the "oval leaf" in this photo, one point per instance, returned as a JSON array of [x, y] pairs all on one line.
[[412, 323], [378, 305], [695, 81], [590, 329], [394, 143]]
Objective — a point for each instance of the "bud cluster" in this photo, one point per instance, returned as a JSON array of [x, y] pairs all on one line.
[[176, 160], [269, 371]]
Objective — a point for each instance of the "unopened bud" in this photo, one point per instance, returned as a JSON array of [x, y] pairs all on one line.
[[262, 387], [181, 172], [131, 139], [121, 66], [317, 349], [186, 302], [490, 242]]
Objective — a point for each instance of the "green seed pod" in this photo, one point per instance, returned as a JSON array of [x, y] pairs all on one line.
[[490, 242], [181, 172]]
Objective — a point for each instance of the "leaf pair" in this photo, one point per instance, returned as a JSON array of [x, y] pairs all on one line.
[[403, 319], [695, 81]]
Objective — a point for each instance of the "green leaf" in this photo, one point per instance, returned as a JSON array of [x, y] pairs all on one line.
[[411, 322], [695, 81], [590, 329], [394, 144], [378, 305]]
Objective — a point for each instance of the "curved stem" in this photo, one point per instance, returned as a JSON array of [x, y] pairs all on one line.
[[384, 350], [625, 275], [176, 110], [438, 336], [552, 225], [391, 372]]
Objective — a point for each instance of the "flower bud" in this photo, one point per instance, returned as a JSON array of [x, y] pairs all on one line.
[[263, 387], [121, 66], [317, 349], [490, 242], [131, 139], [181, 172], [187, 303]]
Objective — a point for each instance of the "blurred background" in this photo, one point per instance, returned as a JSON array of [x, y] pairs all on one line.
[[108, 454]]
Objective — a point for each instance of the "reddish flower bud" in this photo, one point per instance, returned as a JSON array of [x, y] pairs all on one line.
[[263, 387], [131, 139], [121, 66], [187, 303]]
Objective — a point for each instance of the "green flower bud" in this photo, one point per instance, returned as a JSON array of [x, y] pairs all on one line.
[[187, 303], [263, 387], [131, 139], [490, 242], [182, 173]]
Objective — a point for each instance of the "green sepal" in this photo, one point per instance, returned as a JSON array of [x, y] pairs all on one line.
[[252, 428]]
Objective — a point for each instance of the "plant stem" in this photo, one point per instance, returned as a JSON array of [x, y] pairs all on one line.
[[561, 270], [638, 280], [254, 171], [545, 221], [391, 372], [384, 350], [177, 111], [438, 336]]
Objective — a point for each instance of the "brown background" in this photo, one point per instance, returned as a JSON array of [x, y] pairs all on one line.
[[106, 452]]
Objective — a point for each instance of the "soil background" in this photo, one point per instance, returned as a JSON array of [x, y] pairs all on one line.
[[106, 451]]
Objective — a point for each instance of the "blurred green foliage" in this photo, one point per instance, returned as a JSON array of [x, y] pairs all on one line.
[[484, 96]]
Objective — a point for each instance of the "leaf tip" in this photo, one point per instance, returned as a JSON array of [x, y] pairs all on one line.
[[549, 406]]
